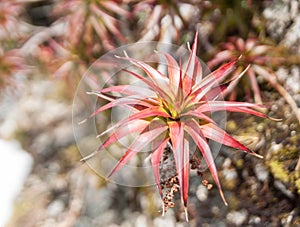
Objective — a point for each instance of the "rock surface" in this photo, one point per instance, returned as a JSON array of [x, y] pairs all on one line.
[[283, 22]]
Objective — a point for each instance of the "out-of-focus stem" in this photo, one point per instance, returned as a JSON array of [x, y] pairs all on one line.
[[272, 79]]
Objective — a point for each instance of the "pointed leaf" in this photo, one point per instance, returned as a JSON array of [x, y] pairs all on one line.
[[241, 107], [130, 90], [173, 72], [212, 131], [185, 171], [218, 74], [198, 72], [199, 115], [157, 89], [181, 155], [130, 100], [193, 129], [213, 79], [190, 75], [138, 144], [103, 96], [155, 162], [136, 126], [215, 92], [149, 112], [157, 77], [212, 93], [231, 104]]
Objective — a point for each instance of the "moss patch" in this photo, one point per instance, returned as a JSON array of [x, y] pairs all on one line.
[[278, 171]]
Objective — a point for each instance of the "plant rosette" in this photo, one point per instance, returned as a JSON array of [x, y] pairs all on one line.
[[169, 101]]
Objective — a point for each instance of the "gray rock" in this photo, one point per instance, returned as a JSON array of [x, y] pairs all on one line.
[[237, 217], [55, 208], [202, 193], [254, 220], [261, 172], [97, 201], [166, 221], [283, 22]]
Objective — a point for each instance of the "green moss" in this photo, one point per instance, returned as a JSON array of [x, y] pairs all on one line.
[[278, 171], [287, 153], [229, 184], [231, 126], [234, 202], [297, 183], [70, 155], [240, 163]]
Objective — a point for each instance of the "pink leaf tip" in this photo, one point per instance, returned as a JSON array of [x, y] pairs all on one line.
[[186, 214], [223, 197], [82, 122]]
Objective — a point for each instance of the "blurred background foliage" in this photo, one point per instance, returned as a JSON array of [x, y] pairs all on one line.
[[47, 45]]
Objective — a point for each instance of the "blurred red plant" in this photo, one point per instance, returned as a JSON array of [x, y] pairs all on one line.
[[11, 62], [83, 31], [9, 23], [90, 24], [13, 32], [262, 60], [173, 111], [182, 14]]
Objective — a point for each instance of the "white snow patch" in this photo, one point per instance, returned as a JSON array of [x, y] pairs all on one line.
[[15, 165]]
